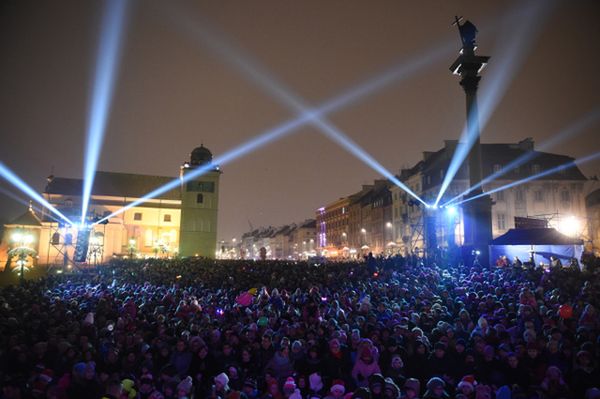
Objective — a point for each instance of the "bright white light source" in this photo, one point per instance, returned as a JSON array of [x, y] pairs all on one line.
[[570, 226]]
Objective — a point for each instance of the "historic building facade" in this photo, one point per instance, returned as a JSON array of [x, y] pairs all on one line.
[[291, 241], [181, 221], [558, 197]]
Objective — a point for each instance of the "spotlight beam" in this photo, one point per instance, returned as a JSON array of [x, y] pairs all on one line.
[[16, 181], [348, 97], [257, 74], [231, 155], [547, 172], [510, 56], [570, 131], [20, 200], [109, 50]]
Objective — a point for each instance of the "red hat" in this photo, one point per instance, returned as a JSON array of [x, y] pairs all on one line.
[[289, 384], [338, 385]]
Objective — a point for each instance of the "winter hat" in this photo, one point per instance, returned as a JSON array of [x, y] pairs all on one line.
[[468, 381], [414, 384], [376, 378], [289, 385], [390, 384], [185, 385], [466, 385], [315, 382], [296, 394], [223, 379], [338, 385], [435, 383]]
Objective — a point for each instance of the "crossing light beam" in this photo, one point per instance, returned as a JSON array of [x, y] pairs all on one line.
[[112, 27]]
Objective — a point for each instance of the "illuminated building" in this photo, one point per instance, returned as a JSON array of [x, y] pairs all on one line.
[[199, 207], [592, 203], [332, 222], [554, 197], [292, 241], [182, 221], [357, 224]]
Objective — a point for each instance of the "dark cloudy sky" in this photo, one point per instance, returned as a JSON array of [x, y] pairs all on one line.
[[174, 93]]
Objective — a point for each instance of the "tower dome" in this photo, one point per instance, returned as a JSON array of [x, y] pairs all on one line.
[[200, 156]]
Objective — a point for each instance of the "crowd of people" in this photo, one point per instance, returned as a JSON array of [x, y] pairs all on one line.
[[380, 329]]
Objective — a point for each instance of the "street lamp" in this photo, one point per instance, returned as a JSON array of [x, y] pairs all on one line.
[[22, 250]]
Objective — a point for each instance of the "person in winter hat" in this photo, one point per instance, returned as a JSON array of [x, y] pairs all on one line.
[[466, 386], [412, 388], [337, 389], [436, 389], [316, 384], [376, 384], [184, 388], [249, 388], [391, 390], [296, 394], [221, 387], [365, 366], [289, 387]]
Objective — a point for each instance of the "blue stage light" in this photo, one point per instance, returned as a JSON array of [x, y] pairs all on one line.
[[451, 210], [16, 181], [547, 172], [515, 46], [108, 55]]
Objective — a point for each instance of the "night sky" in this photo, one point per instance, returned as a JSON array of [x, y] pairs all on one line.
[[173, 93]]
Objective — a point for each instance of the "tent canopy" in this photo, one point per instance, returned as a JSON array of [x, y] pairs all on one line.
[[547, 236], [541, 244]]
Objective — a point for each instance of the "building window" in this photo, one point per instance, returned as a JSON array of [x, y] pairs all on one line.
[[137, 216], [167, 218], [535, 168], [519, 195], [68, 203], [538, 195], [199, 199], [501, 221], [500, 196], [202, 186], [497, 168], [565, 196]]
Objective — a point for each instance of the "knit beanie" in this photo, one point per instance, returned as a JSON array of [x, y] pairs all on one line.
[[289, 385], [185, 385], [223, 379], [338, 385], [315, 382]]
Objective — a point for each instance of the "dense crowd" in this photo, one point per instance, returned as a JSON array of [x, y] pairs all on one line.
[[380, 329]]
